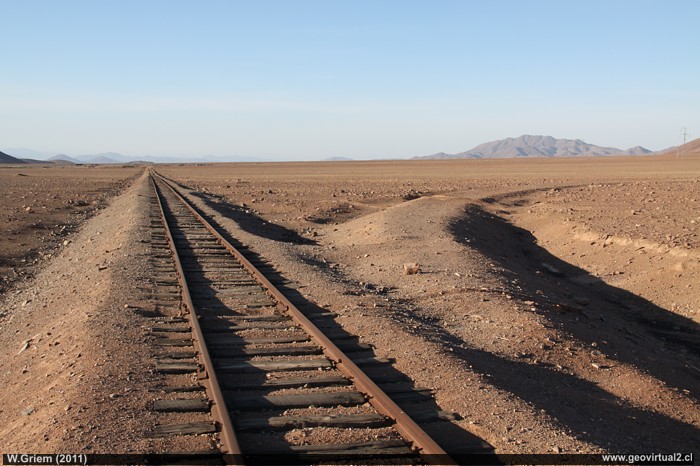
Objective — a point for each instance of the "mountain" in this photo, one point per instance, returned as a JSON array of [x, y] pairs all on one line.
[[337, 159], [689, 148], [114, 157], [100, 159], [537, 146], [105, 157], [4, 158], [637, 150], [24, 153], [37, 162], [64, 158]]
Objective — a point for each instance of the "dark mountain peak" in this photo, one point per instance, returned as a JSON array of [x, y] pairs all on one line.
[[5, 158]]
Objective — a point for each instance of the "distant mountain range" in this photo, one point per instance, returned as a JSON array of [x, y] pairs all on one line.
[[536, 146], [114, 157], [107, 157], [523, 146], [63, 158], [22, 156]]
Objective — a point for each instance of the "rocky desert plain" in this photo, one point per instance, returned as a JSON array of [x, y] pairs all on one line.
[[556, 308]]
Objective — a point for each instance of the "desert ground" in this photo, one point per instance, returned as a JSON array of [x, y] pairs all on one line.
[[556, 308], [42, 204]]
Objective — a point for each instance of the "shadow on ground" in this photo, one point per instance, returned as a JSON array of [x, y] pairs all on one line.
[[637, 332], [417, 402], [252, 223]]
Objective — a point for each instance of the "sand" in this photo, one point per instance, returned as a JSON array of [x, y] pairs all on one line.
[[556, 308]]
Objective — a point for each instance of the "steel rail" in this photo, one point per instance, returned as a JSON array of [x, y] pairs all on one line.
[[406, 426], [230, 445]]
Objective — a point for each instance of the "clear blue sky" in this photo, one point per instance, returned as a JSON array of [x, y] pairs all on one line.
[[311, 79]]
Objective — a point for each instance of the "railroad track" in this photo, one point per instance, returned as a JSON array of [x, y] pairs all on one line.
[[276, 381]]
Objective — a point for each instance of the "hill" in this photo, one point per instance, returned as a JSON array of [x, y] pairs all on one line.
[[4, 158], [63, 158], [109, 157], [24, 153], [37, 162], [537, 146], [116, 158], [689, 148], [101, 159]]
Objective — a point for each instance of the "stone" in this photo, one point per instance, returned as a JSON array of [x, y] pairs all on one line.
[[552, 270], [411, 268]]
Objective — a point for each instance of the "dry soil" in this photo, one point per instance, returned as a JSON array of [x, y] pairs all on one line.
[[556, 306]]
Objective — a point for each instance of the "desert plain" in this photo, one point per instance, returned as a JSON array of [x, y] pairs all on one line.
[[556, 307]]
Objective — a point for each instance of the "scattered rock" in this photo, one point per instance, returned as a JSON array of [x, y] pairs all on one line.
[[412, 194], [28, 411], [552, 270], [411, 268], [24, 346]]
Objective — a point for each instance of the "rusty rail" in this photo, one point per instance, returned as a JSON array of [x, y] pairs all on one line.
[[407, 427], [208, 378]]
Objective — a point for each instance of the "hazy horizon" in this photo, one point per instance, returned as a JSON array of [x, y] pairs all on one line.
[[25, 153], [312, 80]]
